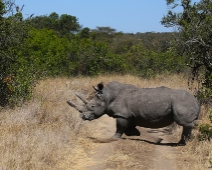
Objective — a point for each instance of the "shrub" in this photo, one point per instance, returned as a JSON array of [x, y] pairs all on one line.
[[14, 75], [205, 132], [46, 52], [87, 57]]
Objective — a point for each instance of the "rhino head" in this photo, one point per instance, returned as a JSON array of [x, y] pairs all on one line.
[[93, 109]]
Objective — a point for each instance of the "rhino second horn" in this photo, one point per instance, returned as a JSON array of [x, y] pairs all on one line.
[[82, 98], [72, 104]]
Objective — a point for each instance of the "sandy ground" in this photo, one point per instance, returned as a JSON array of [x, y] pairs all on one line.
[[130, 152], [47, 133]]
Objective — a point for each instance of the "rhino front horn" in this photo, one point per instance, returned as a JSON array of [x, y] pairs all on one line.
[[82, 98], [79, 108]]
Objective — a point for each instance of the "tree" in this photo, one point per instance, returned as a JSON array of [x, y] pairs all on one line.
[[47, 52], [16, 76], [63, 25], [68, 24], [103, 34], [85, 33], [194, 38]]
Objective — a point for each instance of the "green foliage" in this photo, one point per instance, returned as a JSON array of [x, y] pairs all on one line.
[[63, 25], [147, 63], [194, 24], [116, 52], [85, 33], [158, 42], [46, 52], [121, 42], [89, 57], [210, 115], [204, 93], [104, 34], [2, 9], [13, 31], [205, 132], [193, 40]]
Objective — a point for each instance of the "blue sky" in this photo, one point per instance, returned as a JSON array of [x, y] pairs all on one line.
[[123, 15]]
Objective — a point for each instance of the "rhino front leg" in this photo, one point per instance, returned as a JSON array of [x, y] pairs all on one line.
[[122, 125]]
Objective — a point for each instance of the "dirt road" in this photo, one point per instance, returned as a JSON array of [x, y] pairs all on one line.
[[129, 153]]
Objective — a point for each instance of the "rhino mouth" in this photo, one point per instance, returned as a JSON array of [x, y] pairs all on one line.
[[88, 116]]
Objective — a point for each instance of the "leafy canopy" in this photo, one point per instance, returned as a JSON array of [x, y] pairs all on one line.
[[63, 25], [194, 38]]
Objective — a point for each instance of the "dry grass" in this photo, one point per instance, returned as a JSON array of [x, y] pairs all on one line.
[[200, 152], [48, 134], [36, 135]]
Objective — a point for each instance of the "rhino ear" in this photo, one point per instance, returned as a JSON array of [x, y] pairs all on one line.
[[99, 87]]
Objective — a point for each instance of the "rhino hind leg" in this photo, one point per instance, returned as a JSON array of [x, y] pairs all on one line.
[[186, 135], [132, 132]]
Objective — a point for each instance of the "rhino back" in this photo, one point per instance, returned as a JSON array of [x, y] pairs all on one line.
[[140, 102], [150, 104]]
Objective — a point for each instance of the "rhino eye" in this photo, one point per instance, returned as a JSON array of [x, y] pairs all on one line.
[[91, 107]]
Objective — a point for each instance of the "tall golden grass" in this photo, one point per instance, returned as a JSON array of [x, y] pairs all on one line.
[[46, 133]]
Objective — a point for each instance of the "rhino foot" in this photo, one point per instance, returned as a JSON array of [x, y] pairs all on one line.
[[181, 143]]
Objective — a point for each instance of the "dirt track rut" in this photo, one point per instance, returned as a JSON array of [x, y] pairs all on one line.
[[131, 152]]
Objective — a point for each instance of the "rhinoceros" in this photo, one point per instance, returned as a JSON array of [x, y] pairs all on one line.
[[132, 106]]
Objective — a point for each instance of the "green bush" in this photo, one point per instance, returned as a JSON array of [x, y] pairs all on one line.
[[205, 132], [89, 57], [210, 115], [46, 52], [13, 32], [147, 63]]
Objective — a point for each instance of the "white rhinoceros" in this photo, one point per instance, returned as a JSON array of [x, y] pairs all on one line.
[[132, 106]]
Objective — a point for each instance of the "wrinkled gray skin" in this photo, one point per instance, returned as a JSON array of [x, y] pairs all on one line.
[[145, 107]]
